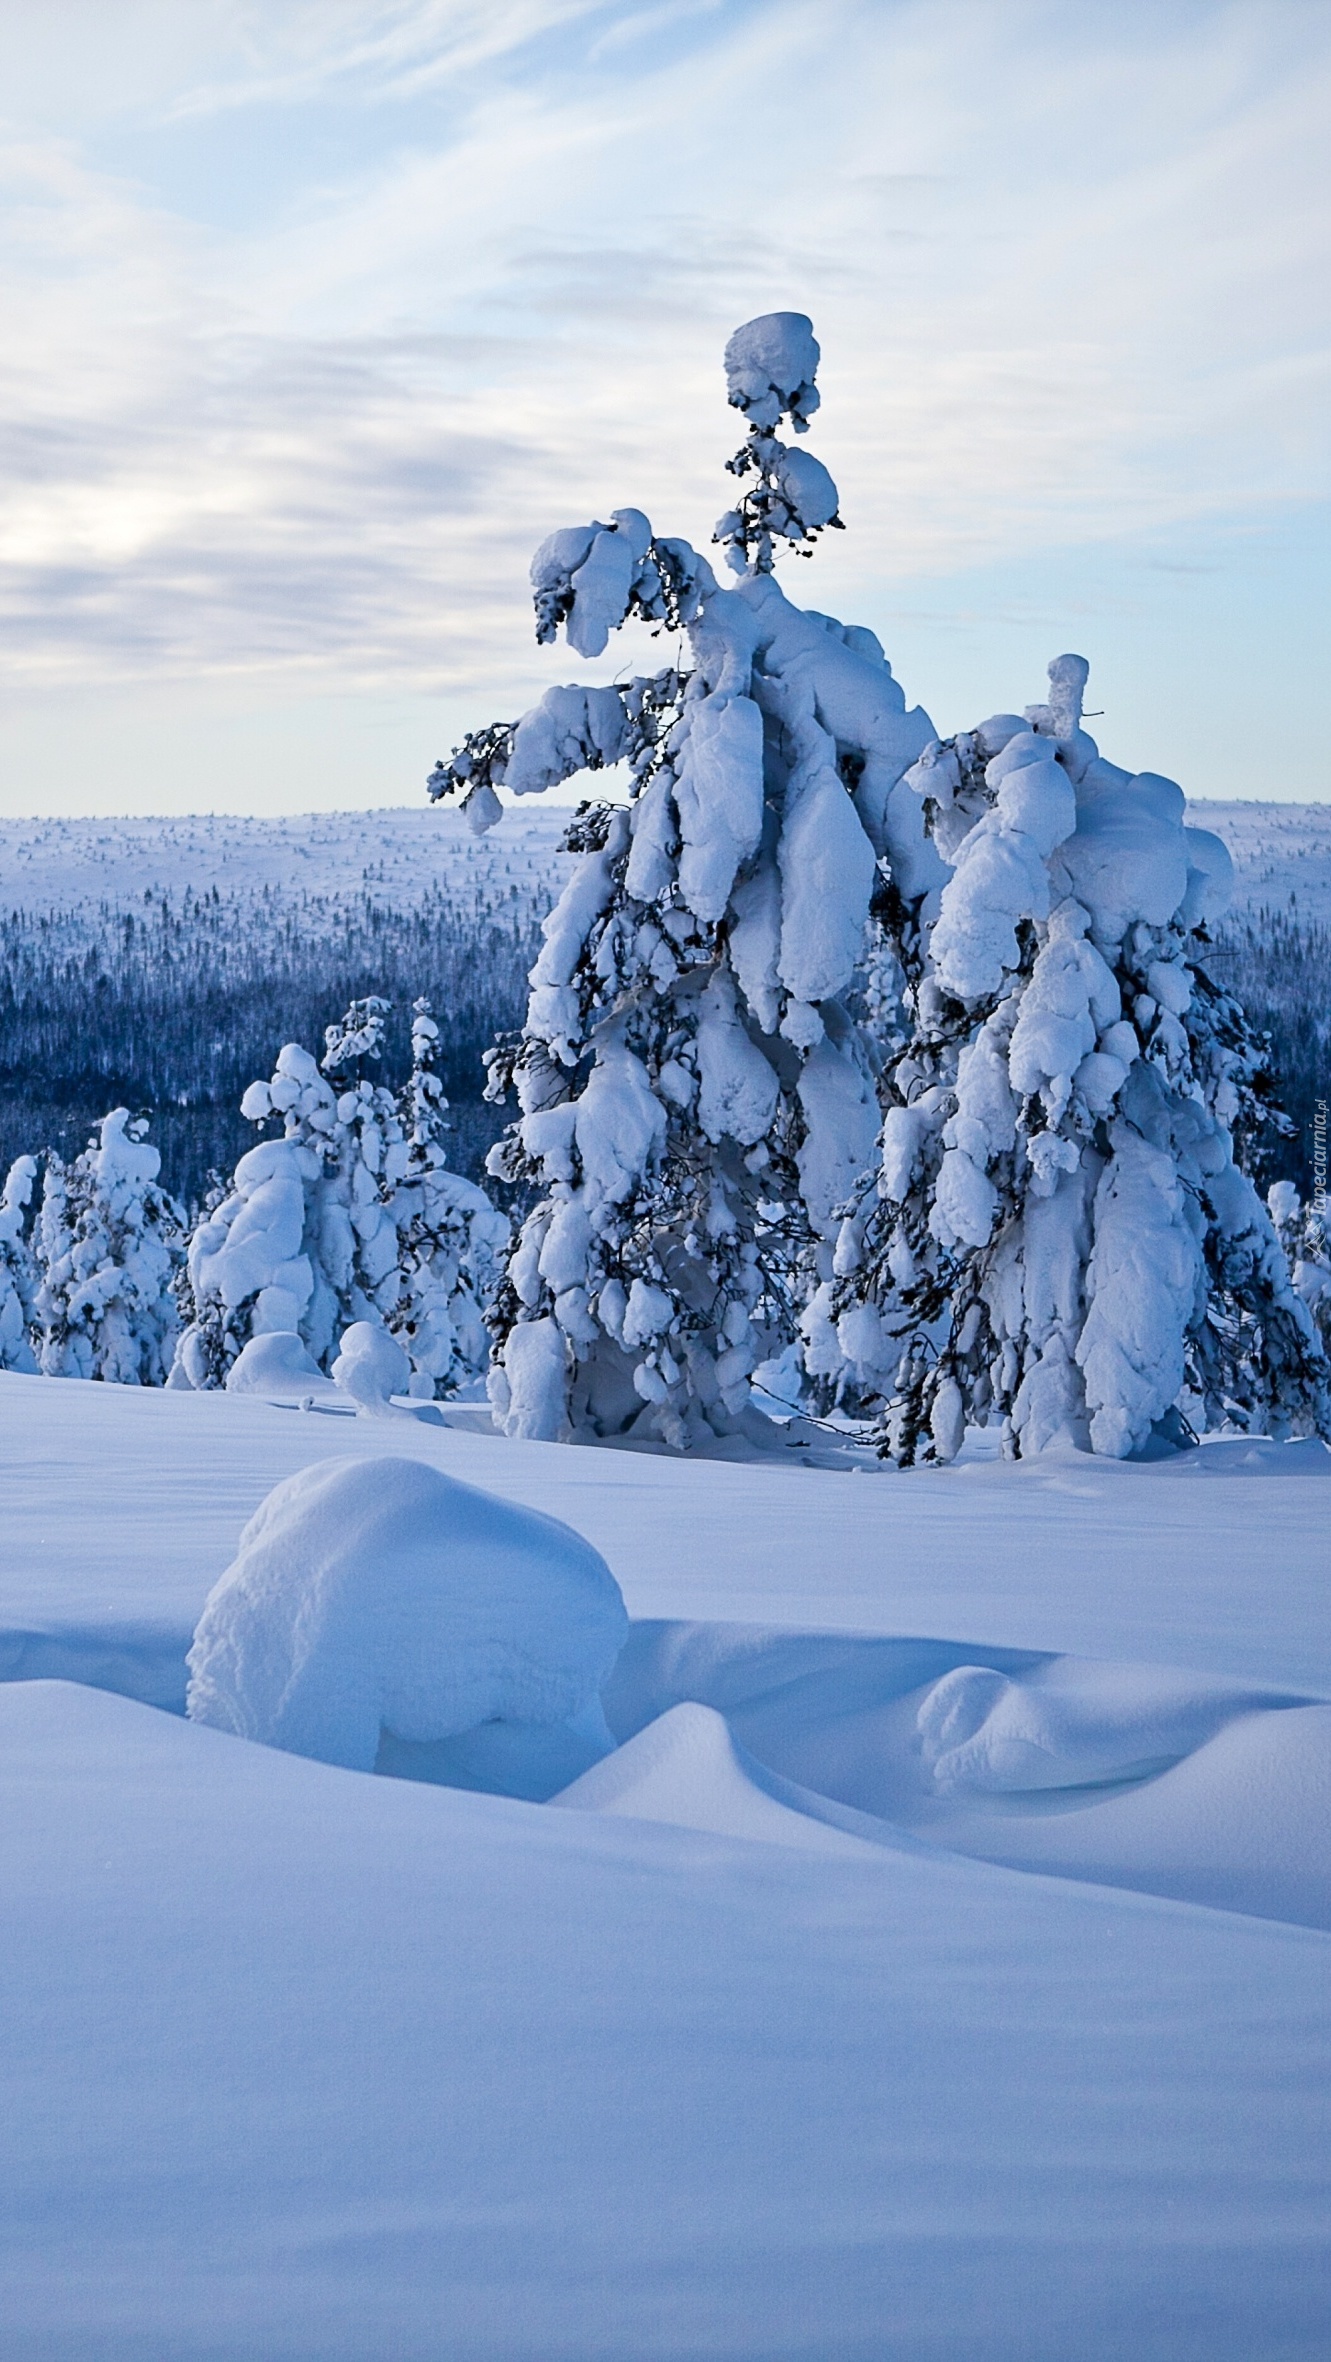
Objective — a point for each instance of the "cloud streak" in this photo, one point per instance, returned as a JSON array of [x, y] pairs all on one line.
[[1067, 264]]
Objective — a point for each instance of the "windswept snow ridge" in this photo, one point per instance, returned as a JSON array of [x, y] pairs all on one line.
[[1132, 1775]]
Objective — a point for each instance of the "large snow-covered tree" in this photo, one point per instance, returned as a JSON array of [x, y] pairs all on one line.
[[695, 1099], [1059, 1236], [109, 1241], [351, 1216]]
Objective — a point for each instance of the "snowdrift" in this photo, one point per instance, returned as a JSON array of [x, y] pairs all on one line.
[[380, 1595]]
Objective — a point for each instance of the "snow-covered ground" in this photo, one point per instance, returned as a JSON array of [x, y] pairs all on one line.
[[1281, 853], [813, 2022], [62, 864]]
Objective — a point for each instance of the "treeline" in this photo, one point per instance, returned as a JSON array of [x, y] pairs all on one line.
[[1279, 966], [177, 1005]]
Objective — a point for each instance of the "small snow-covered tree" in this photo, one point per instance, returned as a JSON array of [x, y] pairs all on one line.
[[695, 1098], [19, 1273], [313, 1234], [109, 1241], [1059, 1237], [450, 1237], [1302, 1232]]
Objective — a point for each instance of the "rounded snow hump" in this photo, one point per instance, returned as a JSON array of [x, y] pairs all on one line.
[[373, 1595]]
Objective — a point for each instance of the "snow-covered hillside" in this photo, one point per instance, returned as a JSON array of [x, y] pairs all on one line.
[[64, 864], [812, 2022], [1281, 854], [400, 855], [163, 963]]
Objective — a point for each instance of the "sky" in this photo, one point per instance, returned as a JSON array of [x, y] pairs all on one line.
[[320, 314]]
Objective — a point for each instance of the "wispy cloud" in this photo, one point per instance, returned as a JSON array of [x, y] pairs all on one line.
[[1067, 263], [287, 55]]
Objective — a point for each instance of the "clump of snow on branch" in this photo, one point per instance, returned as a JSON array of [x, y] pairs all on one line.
[[109, 1241], [378, 1597], [1060, 1236], [771, 365], [695, 1098]]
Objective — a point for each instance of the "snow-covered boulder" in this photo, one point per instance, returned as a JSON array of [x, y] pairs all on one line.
[[378, 1595]]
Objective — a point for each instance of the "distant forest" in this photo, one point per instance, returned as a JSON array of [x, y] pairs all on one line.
[[1279, 966], [175, 1007]]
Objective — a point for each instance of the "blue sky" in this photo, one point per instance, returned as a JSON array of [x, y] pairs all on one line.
[[319, 316]]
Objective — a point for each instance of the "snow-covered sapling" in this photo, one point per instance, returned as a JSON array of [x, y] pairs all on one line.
[[451, 1238], [695, 1098], [1059, 1237], [351, 1216], [1303, 1233], [109, 1241], [20, 1275]]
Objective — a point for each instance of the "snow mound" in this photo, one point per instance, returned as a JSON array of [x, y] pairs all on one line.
[[371, 1366], [1064, 1726], [686, 1768], [1190, 1785], [277, 1365], [1242, 1824], [373, 1595], [1244, 1455]]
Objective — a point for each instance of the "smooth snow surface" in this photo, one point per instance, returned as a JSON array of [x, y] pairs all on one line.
[[380, 1595], [687, 1768], [321, 2068], [820, 2022], [1208, 1790]]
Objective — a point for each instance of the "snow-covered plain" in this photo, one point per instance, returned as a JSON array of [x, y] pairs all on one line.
[[64, 864], [68, 864], [1281, 854], [740, 2047]]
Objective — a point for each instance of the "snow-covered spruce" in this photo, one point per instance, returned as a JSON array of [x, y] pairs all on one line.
[[1302, 1232], [109, 1242], [19, 1272], [351, 1216], [1059, 1237], [695, 1100], [451, 1238]]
